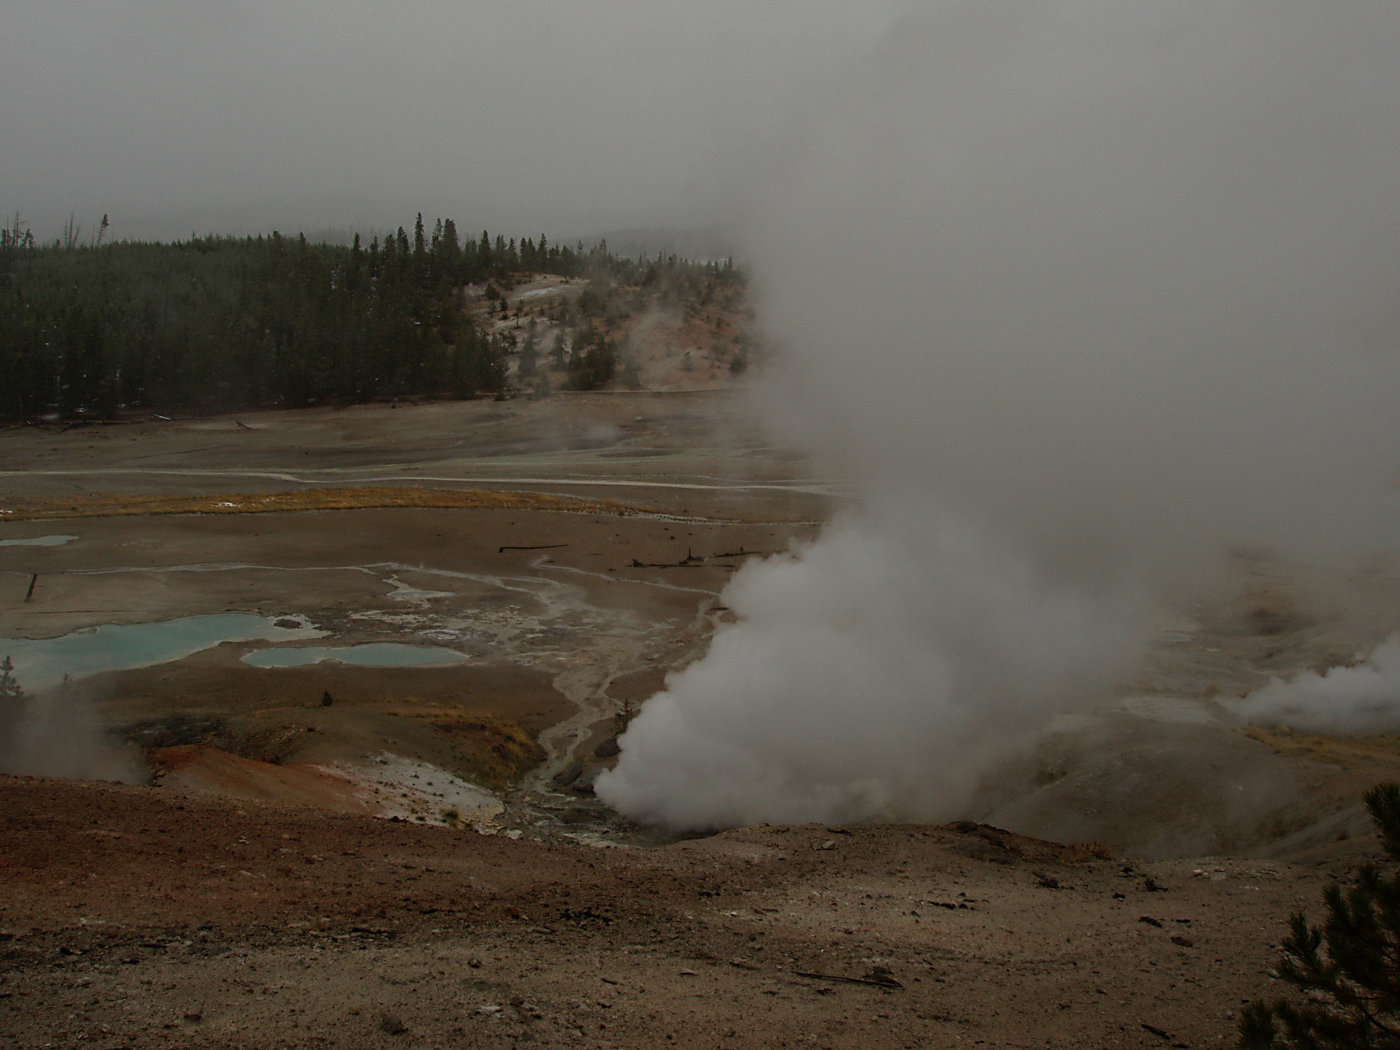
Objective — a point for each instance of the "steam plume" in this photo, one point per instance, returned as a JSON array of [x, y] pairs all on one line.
[[1364, 698], [53, 734], [1081, 293]]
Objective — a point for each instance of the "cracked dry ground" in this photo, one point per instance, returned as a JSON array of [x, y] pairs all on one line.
[[132, 917]]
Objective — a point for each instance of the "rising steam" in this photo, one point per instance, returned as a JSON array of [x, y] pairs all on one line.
[[1081, 293], [868, 676], [1362, 698], [54, 734]]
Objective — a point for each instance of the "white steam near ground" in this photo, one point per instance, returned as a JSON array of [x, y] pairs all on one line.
[[1364, 697], [53, 733], [1082, 294]]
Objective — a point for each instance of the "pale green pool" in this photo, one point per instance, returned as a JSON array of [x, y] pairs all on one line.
[[40, 663], [38, 541]]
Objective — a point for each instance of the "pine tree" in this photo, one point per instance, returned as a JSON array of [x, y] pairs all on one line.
[[9, 688], [1349, 967], [447, 254]]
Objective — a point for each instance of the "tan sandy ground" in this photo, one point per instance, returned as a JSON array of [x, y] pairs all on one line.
[[573, 549]]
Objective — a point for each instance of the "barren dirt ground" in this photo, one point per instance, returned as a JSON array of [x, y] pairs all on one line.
[[572, 550]]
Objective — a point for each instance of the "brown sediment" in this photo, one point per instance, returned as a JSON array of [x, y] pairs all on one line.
[[359, 497]]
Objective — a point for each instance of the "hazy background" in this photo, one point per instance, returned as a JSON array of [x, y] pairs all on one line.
[[1082, 294], [1085, 295], [524, 116]]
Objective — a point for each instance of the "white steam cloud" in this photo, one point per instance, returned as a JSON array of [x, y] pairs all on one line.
[[867, 674], [53, 733], [1363, 698], [1082, 293]]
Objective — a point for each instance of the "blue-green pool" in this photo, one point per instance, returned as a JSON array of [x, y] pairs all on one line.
[[38, 541], [40, 663]]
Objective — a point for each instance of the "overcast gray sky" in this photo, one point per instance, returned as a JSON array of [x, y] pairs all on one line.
[[180, 116]]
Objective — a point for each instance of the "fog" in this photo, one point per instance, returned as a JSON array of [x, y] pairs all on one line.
[[193, 116], [1084, 295]]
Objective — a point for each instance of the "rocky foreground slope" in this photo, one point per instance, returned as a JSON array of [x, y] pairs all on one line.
[[140, 917]]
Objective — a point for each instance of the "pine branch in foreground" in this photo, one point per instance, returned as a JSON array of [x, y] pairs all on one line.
[[1347, 969]]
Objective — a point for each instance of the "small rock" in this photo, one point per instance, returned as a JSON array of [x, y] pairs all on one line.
[[608, 748], [392, 1025]]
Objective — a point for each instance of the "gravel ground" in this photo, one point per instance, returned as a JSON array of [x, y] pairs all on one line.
[[139, 917]]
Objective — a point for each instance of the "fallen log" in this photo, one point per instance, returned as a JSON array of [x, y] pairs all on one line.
[[691, 560], [874, 978]]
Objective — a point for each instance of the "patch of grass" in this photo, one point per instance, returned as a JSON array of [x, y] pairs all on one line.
[[1352, 753], [494, 752], [499, 752]]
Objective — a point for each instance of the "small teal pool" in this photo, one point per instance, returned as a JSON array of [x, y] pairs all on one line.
[[39, 541], [44, 662], [373, 654]]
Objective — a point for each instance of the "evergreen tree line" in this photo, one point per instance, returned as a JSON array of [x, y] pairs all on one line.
[[223, 323]]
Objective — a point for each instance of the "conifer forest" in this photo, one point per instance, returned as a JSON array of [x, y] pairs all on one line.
[[218, 324]]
